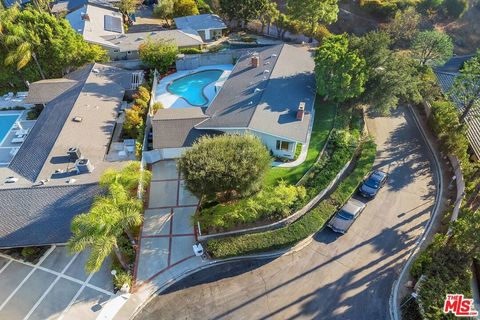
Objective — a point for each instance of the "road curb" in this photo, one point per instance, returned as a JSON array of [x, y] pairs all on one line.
[[395, 313]]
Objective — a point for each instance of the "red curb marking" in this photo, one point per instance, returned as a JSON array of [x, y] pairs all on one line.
[[170, 235], [167, 268], [178, 192]]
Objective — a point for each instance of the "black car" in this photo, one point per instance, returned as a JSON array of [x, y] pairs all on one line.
[[372, 184]]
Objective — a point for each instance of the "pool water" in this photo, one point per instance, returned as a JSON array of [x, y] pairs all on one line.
[[6, 123], [191, 87]]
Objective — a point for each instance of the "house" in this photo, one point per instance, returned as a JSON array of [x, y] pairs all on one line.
[[10, 3], [54, 175], [446, 76], [270, 93], [67, 6], [103, 25], [126, 46], [208, 26]]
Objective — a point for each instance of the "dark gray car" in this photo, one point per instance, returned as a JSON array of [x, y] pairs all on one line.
[[344, 218]]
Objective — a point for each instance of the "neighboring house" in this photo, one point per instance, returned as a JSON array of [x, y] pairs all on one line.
[[67, 6], [54, 185], [103, 25], [446, 75], [9, 3], [126, 46], [208, 26], [270, 93]]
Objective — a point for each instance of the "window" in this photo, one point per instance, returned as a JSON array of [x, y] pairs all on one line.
[[129, 52], [116, 50], [283, 145]]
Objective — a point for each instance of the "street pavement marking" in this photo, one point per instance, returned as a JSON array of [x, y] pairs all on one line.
[[6, 265], [61, 274], [75, 297], [46, 254], [48, 289]]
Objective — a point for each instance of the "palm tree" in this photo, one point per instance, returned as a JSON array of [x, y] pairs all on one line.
[[109, 218], [129, 177], [18, 41]]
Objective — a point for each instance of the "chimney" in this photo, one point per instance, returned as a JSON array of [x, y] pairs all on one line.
[[255, 61], [301, 111]]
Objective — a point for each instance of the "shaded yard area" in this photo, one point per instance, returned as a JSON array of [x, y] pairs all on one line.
[[323, 123]]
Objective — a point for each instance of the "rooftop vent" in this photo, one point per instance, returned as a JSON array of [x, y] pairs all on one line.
[[95, 70], [74, 154], [274, 55], [255, 61], [257, 90], [83, 166], [77, 119], [301, 111], [11, 180], [266, 71]]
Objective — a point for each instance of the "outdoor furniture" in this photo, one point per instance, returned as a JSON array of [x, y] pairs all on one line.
[[21, 133], [14, 151], [18, 140]]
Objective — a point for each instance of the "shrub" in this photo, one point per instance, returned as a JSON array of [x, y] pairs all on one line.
[[158, 54], [141, 103], [303, 227], [456, 8], [271, 203], [157, 106], [143, 93], [28, 252], [133, 123], [380, 8], [203, 7], [191, 51], [225, 166], [248, 39]]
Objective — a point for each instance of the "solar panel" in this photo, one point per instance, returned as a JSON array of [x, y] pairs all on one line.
[[113, 24]]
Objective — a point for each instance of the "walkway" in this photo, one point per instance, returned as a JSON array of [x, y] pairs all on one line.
[[167, 233], [56, 287]]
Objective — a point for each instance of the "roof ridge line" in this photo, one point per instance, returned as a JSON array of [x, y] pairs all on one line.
[[50, 186], [266, 84]]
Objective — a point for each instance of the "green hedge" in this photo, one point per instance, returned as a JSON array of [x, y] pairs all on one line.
[[190, 51], [303, 227]]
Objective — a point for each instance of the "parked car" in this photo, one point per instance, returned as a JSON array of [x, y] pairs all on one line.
[[373, 184], [344, 218]]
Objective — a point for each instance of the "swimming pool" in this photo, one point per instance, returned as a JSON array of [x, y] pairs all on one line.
[[6, 123], [190, 87]]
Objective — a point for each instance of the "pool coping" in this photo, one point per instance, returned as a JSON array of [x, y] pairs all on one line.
[[202, 91]]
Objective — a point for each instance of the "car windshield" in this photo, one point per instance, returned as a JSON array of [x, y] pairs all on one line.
[[372, 183], [345, 215]]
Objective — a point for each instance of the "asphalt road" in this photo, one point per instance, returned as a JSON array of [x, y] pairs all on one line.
[[334, 277]]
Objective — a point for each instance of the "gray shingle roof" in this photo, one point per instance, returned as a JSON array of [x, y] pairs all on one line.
[[200, 22], [44, 91], [41, 216], [174, 128], [33, 153], [446, 76], [266, 98], [131, 41]]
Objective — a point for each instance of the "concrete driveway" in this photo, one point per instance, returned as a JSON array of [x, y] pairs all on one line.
[[334, 277], [57, 287]]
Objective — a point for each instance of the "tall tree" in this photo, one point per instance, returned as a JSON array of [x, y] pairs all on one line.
[[404, 25], [466, 88], [127, 7], [242, 11], [269, 15], [164, 10], [432, 47], [340, 72], [182, 8], [313, 12]]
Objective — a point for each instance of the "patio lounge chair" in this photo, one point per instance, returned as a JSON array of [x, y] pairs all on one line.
[[18, 140], [21, 133]]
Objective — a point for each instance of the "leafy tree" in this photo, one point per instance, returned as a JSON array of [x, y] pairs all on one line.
[[313, 12], [203, 7], [134, 122], [452, 133], [158, 54], [269, 15], [36, 37], [390, 75], [129, 177], [404, 25], [340, 72], [164, 10], [432, 47], [127, 7], [466, 89], [182, 8], [242, 10], [456, 8], [225, 166]]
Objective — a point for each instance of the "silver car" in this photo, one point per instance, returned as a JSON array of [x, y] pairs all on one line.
[[344, 218]]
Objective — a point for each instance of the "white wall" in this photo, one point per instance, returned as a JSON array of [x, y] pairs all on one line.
[[269, 141]]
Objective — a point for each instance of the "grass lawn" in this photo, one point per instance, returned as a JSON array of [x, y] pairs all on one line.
[[324, 116]]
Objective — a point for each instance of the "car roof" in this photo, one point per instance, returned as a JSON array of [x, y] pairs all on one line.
[[353, 206], [377, 174]]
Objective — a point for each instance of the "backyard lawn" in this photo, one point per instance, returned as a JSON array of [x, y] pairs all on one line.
[[324, 116]]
